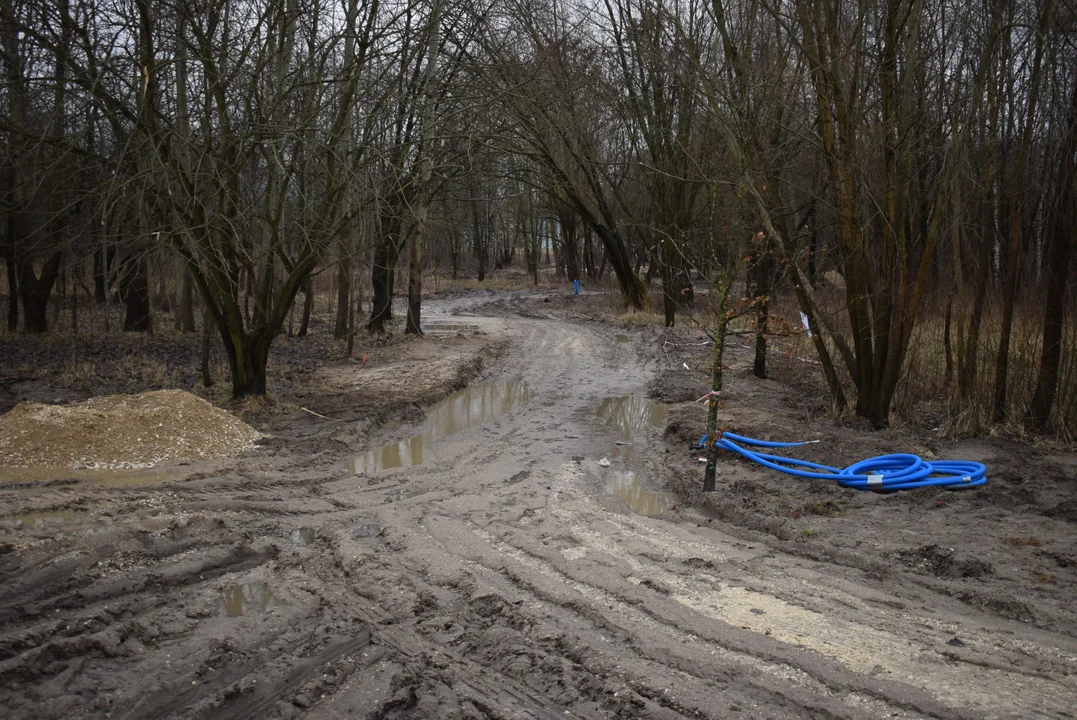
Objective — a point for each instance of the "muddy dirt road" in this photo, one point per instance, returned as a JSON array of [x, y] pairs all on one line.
[[481, 563]]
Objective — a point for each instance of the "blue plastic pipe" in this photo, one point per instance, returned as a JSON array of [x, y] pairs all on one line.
[[898, 471]]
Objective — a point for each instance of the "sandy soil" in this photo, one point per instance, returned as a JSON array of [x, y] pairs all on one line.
[[508, 574], [121, 432]]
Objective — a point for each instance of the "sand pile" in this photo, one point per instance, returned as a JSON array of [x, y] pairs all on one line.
[[121, 432]]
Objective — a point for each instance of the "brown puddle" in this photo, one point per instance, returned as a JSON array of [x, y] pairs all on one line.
[[471, 406], [630, 415], [625, 484], [239, 600]]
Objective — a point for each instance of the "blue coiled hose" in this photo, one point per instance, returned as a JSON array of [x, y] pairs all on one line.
[[886, 472]]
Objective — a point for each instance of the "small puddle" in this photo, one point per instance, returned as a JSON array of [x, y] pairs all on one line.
[[625, 484], [471, 406], [302, 537], [240, 600], [629, 415]]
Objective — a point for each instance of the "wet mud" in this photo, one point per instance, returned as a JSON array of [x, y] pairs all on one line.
[[508, 574]]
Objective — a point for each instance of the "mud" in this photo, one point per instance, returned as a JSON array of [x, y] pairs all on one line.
[[511, 578]]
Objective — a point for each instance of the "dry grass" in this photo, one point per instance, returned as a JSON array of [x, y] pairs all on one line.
[[926, 396], [78, 371]]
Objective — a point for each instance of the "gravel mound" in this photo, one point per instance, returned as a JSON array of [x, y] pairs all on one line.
[[121, 432]]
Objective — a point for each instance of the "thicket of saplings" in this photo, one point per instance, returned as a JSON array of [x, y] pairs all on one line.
[[255, 154]]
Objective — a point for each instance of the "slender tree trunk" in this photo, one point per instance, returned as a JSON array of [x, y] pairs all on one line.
[[344, 272], [413, 323], [381, 274], [667, 254], [569, 246], [186, 303], [75, 273], [308, 306], [966, 374], [139, 317], [12, 295], [947, 345], [764, 272], [712, 406], [207, 340]]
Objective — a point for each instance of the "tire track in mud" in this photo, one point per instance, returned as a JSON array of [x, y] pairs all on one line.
[[500, 579]]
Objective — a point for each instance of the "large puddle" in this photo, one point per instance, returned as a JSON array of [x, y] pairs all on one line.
[[471, 406], [631, 416]]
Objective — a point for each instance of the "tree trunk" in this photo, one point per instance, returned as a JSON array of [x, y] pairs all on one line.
[[185, 318], [569, 246], [207, 339], [34, 291], [248, 358], [12, 295], [344, 272], [413, 323], [308, 306], [712, 406], [381, 274], [764, 274], [139, 317], [968, 362], [102, 261], [75, 275], [667, 253]]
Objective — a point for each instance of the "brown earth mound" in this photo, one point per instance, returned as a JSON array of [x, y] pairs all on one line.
[[121, 432]]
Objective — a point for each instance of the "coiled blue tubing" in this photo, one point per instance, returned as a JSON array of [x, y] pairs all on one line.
[[898, 471]]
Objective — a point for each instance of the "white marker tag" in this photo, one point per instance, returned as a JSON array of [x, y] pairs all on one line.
[[966, 478], [875, 479]]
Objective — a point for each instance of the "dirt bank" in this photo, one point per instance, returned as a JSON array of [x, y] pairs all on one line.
[[503, 572]]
